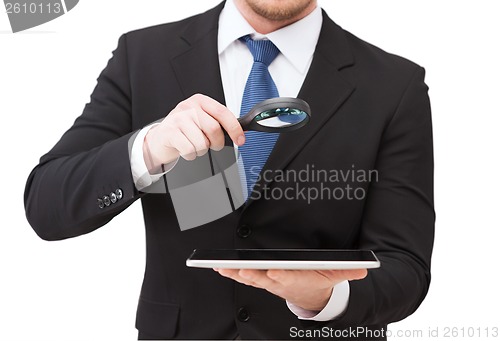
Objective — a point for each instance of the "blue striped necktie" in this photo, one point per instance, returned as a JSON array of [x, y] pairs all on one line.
[[260, 86]]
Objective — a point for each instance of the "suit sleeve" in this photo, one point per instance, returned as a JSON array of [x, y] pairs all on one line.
[[90, 162], [398, 221]]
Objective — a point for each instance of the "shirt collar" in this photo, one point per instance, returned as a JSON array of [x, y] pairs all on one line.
[[296, 42]]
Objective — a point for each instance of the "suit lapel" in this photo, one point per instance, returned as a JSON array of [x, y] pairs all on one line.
[[197, 67], [324, 89]]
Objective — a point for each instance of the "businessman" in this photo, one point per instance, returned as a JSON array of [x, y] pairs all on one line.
[[163, 101]]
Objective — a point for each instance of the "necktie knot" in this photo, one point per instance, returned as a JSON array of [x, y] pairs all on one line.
[[263, 51]]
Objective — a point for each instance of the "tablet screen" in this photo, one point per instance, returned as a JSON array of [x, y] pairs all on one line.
[[284, 259], [285, 255]]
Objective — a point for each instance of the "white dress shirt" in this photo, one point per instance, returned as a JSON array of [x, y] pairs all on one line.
[[296, 43]]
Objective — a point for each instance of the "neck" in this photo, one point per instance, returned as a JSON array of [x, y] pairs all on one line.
[[264, 25]]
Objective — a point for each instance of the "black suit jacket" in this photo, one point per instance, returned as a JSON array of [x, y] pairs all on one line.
[[370, 112]]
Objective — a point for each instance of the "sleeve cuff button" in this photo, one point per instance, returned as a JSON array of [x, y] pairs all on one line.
[[106, 200]]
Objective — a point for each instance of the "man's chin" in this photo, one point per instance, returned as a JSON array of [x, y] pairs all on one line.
[[280, 10]]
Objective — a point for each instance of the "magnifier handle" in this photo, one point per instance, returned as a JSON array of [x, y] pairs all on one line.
[[244, 125]]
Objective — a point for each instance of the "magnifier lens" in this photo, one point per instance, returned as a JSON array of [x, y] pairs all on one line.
[[280, 117], [277, 115]]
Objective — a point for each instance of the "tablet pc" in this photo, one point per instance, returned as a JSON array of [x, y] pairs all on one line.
[[290, 259]]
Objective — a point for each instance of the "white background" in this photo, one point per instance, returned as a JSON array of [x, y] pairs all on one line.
[[87, 287]]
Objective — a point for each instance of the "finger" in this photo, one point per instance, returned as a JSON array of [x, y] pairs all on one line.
[[229, 273], [213, 132], [234, 275], [181, 143], [283, 277], [195, 136], [345, 275], [259, 278], [292, 278], [323, 278], [358, 274], [223, 115], [193, 142]]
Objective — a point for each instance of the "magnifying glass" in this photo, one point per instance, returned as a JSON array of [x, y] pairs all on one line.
[[276, 115]]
